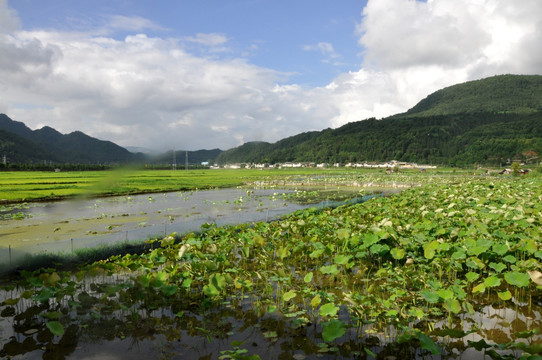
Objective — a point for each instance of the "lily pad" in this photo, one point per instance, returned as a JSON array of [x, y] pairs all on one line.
[[517, 278], [492, 281], [505, 295], [55, 327], [332, 330], [329, 309]]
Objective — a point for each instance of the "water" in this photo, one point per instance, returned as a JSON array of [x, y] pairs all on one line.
[[66, 226]]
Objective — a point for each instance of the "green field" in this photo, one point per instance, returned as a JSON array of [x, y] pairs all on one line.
[[38, 186], [33, 186]]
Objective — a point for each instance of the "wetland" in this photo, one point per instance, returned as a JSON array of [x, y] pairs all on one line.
[[449, 269]]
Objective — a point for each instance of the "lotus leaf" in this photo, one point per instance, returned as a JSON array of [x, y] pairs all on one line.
[[517, 278], [287, 296], [316, 300], [498, 267], [452, 305], [478, 289], [505, 295], [427, 343], [500, 249], [55, 327], [398, 253], [308, 278], [492, 281], [328, 309], [430, 296], [332, 330], [329, 270], [429, 249], [472, 276]]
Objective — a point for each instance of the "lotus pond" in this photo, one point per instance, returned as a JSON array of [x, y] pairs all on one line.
[[448, 270]]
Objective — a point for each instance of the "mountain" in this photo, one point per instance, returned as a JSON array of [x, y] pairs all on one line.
[[20, 144], [488, 121], [17, 149], [498, 94], [138, 149], [194, 157]]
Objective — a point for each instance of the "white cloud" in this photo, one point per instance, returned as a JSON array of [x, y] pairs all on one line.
[[8, 18], [413, 48], [153, 92], [131, 23], [324, 48], [208, 39], [144, 90]]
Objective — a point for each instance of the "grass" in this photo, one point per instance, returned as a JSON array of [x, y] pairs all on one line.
[[26, 186]]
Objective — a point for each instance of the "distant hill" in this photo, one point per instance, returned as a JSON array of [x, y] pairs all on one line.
[[22, 145], [518, 94], [487, 121], [17, 149], [194, 157]]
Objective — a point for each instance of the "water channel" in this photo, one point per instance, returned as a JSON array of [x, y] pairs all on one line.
[[67, 226]]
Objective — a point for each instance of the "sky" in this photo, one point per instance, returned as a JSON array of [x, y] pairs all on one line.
[[205, 74]]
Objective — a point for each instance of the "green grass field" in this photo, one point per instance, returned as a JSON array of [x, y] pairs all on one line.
[[28, 186], [38, 186], [35, 186]]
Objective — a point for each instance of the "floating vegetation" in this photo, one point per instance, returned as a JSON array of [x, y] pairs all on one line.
[[439, 271], [14, 212]]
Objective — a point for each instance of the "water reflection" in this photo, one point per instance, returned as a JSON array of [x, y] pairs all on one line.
[[70, 225], [191, 326]]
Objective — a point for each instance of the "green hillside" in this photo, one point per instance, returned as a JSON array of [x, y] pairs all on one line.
[[499, 94], [17, 149], [194, 157], [20, 144], [487, 121]]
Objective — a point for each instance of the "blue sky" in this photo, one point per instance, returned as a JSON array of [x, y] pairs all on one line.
[[193, 74], [280, 35]]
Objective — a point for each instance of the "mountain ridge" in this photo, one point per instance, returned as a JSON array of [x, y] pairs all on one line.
[[49, 145], [490, 121], [443, 128]]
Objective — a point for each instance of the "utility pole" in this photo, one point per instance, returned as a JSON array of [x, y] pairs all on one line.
[[174, 161], [5, 160], [186, 161]]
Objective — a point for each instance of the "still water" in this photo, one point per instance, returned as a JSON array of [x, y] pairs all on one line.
[[66, 226]]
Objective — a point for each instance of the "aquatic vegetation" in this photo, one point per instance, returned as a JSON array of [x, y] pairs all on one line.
[[440, 269]]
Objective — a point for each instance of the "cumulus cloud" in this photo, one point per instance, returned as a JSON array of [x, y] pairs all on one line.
[[8, 18], [148, 91], [154, 92], [413, 48]]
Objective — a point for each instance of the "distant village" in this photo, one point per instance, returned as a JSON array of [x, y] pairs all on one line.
[[389, 166]]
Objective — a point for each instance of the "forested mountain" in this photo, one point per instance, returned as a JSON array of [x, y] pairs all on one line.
[[520, 94], [487, 121], [194, 157], [18, 150], [22, 145]]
